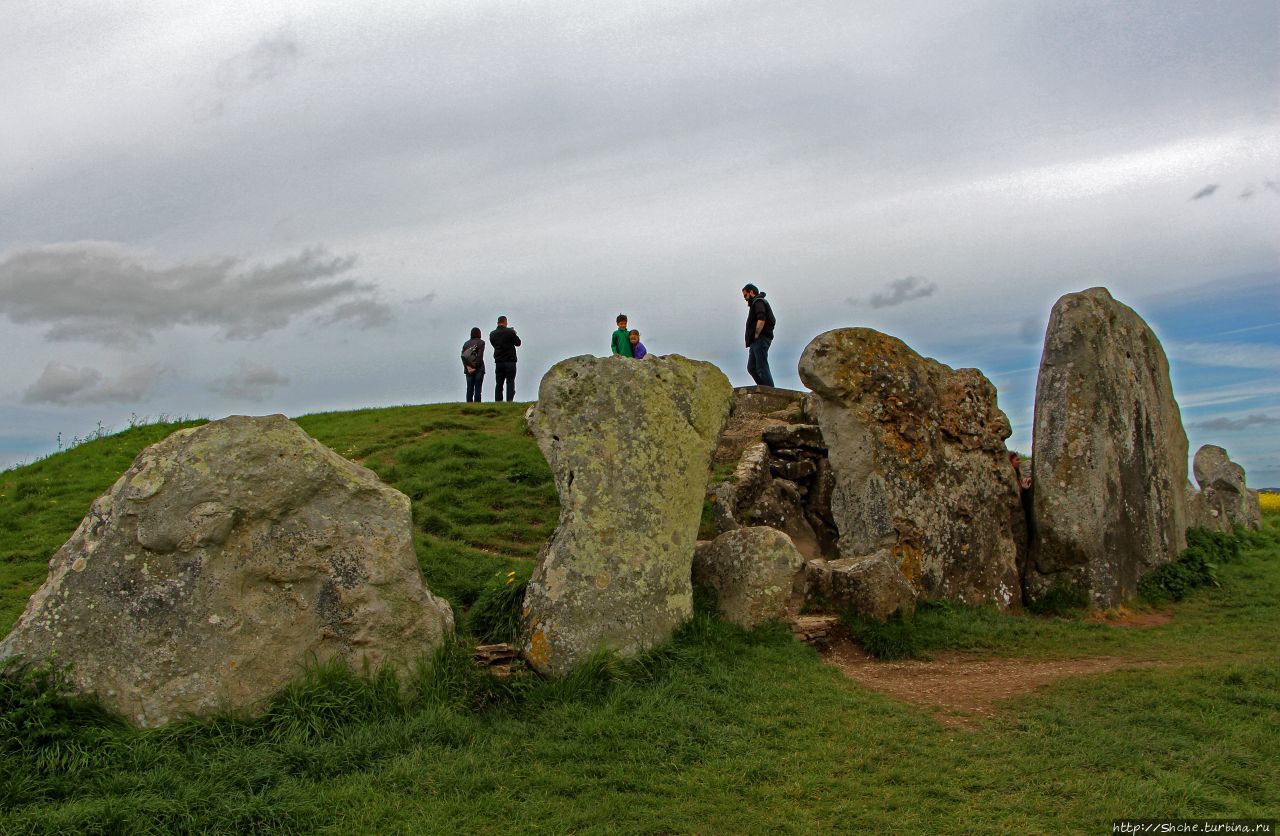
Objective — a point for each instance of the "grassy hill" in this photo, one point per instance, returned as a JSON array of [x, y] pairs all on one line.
[[721, 731]]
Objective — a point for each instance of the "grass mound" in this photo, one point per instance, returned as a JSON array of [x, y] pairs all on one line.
[[721, 730]]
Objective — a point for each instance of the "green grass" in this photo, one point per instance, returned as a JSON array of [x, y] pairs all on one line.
[[721, 731], [484, 500]]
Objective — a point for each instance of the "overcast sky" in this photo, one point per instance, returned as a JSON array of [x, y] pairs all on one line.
[[228, 207]]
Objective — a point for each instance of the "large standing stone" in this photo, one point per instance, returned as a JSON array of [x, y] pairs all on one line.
[[222, 562], [917, 451], [630, 444], [1110, 457], [753, 573], [1224, 500]]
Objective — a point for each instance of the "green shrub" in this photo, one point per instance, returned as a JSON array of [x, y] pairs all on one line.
[[1061, 599], [1194, 568], [1214, 546]]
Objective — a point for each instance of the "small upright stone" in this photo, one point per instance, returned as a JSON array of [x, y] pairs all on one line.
[[920, 467], [630, 444], [225, 560], [1110, 453], [1226, 500]]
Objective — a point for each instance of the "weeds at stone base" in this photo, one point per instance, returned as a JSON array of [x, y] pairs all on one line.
[[1062, 599], [1194, 568], [895, 638], [496, 614]]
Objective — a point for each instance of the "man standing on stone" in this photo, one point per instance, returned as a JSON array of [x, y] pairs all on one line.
[[504, 340], [759, 335]]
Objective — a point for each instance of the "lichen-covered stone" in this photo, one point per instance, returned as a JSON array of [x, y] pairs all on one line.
[[752, 572], [1224, 501], [920, 466], [630, 444], [227, 558], [873, 586], [1110, 453]]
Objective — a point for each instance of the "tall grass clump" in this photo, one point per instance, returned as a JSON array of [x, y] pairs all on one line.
[[495, 615], [42, 720], [894, 638]]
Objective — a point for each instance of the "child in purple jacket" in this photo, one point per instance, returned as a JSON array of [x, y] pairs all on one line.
[[637, 348]]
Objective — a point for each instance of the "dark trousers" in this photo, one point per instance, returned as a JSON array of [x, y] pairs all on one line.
[[474, 379], [506, 371], [758, 361]]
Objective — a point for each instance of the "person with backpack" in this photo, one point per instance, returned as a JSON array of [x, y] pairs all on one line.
[[473, 365], [760, 323]]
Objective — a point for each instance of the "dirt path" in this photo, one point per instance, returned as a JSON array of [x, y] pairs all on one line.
[[960, 687]]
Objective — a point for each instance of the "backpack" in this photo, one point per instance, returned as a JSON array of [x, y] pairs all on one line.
[[471, 354]]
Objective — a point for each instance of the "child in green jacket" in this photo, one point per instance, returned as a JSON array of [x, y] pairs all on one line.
[[622, 338]]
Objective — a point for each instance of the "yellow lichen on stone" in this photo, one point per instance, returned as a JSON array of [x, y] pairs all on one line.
[[910, 560], [539, 649]]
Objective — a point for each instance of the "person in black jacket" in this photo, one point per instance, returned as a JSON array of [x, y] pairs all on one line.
[[760, 323], [504, 341], [473, 365]]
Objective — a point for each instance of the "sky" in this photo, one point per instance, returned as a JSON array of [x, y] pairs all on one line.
[[212, 208]]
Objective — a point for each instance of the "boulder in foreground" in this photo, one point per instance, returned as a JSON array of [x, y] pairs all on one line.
[[225, 560]]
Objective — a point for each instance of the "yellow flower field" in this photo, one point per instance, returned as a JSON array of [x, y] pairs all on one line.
[[1270, 501]]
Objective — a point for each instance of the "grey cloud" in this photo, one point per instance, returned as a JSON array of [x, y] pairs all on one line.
[[1031, 331], [107, 293], [1205, 192], [64, 385], [367, 313], [252, 382], [902, 290], [270, 58], [1232, 424]]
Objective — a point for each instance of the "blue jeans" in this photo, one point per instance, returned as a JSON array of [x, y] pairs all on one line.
[[758, 361], [474, 379], [506, 372]]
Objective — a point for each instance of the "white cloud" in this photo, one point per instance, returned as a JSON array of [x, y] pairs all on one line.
[[1227, 355]]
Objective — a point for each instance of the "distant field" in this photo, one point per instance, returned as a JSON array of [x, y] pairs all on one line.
[[720, 732]]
